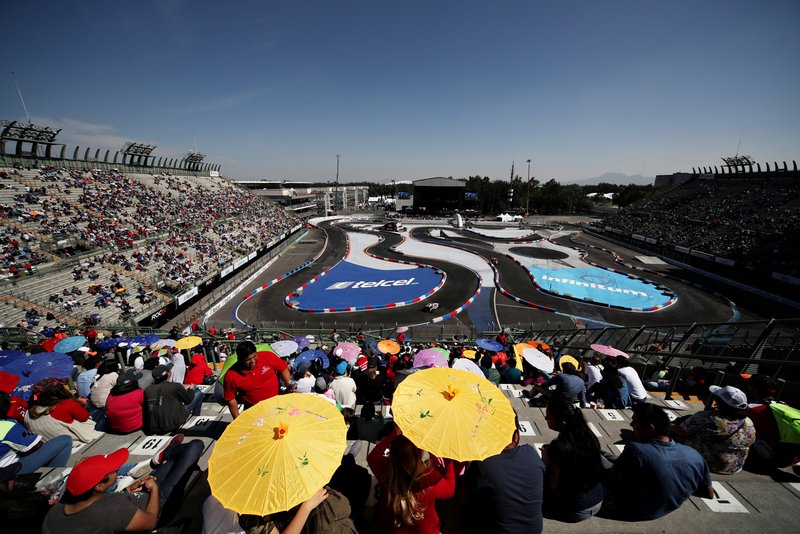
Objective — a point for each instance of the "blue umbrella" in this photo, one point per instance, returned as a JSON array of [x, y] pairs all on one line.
[[70, 343], [36, 367], [488, 344], [310, 356], [111, 343], [8, 356]]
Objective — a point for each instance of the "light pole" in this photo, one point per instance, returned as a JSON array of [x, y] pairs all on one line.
[[336, 187], [528, 195]]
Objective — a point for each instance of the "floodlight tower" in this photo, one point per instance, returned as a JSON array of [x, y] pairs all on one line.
[[336, 186], [528, 196]]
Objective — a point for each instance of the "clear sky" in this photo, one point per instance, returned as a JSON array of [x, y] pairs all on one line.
[[412, 89]]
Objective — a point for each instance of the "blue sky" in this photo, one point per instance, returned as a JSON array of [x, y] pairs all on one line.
[[412, 89]]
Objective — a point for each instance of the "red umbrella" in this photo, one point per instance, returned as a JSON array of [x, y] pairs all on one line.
[[49, 344]]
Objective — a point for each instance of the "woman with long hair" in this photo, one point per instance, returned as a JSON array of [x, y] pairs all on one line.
[[410, 486], [573, 466]]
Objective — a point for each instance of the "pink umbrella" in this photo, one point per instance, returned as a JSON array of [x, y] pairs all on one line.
[[429, 358], [350, 351], [349, 358], [608, 350], [401, 329]]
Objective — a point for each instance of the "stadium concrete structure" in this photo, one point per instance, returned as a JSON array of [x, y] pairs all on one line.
[[306, 199]]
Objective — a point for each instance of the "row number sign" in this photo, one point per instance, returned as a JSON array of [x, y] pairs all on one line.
[[150, 445]]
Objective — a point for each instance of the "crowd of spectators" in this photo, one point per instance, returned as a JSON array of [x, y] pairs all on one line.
[[172, 231], [158, 389], [748, 220]]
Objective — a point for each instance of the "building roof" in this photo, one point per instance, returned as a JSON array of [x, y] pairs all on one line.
[[439, 182]]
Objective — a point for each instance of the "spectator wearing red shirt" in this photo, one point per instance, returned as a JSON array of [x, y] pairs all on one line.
[[254, 377], [125, 404], [52, 393], [197, 371]]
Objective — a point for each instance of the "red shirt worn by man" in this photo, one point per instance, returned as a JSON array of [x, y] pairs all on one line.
[[251, 385]]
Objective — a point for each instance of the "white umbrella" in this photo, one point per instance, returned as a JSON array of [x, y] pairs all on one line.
[[466, 364], [538, 359], [284, 348]]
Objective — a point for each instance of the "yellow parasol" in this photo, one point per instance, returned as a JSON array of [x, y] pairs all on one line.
[[468, 353], [188, 342], [453, 414], [387, 346], [518, 349], [568, 359], [277, 454]]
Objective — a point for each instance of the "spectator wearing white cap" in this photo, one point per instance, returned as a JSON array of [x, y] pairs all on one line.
[[722, 435]]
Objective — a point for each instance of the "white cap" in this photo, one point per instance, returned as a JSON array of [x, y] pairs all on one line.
[[733, 397]]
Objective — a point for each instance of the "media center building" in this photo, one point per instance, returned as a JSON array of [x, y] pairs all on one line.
[[434, 195]]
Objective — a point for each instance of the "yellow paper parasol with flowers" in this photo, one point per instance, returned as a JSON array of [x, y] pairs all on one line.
[[453, 414], [277, 454]]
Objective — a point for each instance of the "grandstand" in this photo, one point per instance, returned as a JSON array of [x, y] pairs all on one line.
[[739, 224], [121, 245]]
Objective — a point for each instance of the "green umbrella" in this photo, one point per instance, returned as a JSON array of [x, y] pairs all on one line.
[[788, 420]]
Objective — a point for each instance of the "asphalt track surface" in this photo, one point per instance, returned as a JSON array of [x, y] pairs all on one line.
[[694, 304], [268, 306]]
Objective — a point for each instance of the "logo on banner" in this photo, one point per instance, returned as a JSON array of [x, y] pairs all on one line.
[[362, 284], [594, 285]]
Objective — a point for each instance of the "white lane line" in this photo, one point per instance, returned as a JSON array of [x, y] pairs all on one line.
[[594, 430]]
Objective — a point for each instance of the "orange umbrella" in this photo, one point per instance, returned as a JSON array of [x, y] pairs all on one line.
[[539, 345], [387, 346]]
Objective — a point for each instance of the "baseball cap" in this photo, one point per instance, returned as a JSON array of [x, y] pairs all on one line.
[[733, 397], [303, 367], [160, 372], [89, 472], [129, 377]]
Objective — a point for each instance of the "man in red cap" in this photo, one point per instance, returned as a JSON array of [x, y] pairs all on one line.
[[86, 507]]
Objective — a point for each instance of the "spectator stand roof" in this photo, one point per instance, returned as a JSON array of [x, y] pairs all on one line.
[[21, 133]]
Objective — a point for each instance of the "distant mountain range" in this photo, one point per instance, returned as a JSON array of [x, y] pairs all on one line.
[[616, 178]]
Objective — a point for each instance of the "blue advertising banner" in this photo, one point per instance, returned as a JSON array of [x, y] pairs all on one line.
[[347, 285], [601, 286]]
